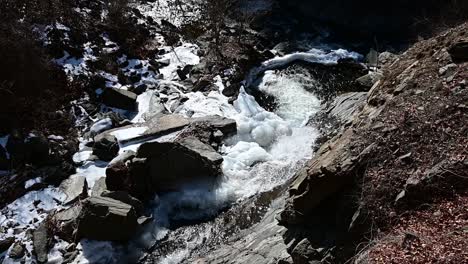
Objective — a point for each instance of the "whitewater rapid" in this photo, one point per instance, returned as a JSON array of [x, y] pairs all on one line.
[[267, 150]]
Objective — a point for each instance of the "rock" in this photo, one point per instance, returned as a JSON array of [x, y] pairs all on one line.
[[140, 89], [202, 85], [5, 243], [4, 161], [17, 251], [303, 252], [132, 177], [102, 125], [448, 70], [99, 187], [173, 163], [405, 158], [387, 58], [120, 98], [40, 243], [37, 146], [104, 218], [155, 108], [332, 168], [66, 222], [214, 123], [156, 126], [74, 188], [105, 146], [459, 51], [231, 90], [369, 79], [345, 106], [125, 198]]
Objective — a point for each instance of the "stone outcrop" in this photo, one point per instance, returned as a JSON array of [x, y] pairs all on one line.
[[171, 164]]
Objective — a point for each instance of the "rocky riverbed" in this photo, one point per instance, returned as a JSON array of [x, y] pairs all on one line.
[[247, 153]]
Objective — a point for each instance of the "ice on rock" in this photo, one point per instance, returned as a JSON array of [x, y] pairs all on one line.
[[179, 58], [243, 155], [101, 125], [31, 182]]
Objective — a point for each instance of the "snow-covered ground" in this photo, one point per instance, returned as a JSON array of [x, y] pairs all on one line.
[[267, 150]]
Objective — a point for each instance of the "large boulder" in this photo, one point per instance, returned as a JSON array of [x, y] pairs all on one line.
[[120, 98], [105, 146], [103, 218], [171, 164]]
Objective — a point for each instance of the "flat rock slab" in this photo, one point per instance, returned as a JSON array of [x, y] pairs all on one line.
[[158, 126], [75, 187]]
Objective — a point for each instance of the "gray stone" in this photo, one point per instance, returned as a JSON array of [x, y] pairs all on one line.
[[346, 105], [448, 70], [66, 221], [387, 58], [173, 163], [105, 146], [155, 127], [125, 198], [99, 187], [214, 122], [370, 79], [123, 157], [104, 218], [75, 188], [40, 243], [303, 252], [17, 251], [120, 98]]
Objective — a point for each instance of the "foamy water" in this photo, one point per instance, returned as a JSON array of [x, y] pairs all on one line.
[[266, 151]]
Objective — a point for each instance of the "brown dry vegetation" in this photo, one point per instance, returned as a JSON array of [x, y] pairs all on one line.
[[421, 139]]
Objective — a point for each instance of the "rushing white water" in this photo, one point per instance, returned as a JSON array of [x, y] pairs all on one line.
[[267, 150]]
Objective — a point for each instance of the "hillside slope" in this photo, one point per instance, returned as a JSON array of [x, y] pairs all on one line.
[[401, 164]]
